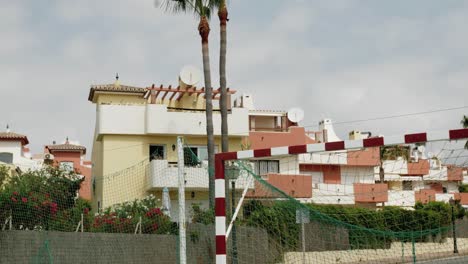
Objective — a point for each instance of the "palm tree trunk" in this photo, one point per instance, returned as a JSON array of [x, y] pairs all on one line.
[[464, 122], [204, 30], [223, 18]]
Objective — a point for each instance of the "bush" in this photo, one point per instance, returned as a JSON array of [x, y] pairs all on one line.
[[463, 188], [67, 220], [33, 198], [205, 217], [367, 228], [123, 218]]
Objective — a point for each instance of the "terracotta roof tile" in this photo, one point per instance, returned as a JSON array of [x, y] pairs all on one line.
[[115, 88], [14, 136], [66, 147]]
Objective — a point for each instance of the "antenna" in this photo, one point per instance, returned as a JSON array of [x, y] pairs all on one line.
[[190, 75], [295, 115]]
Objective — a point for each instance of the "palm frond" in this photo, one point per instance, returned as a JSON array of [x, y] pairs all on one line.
[[464, 121], [174, 6], [198, 7]]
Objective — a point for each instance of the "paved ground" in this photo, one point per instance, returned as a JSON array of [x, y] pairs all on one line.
[[425, 253], [455, 260]]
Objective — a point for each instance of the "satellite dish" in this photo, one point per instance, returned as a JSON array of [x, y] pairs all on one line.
[[190, 75], [295, 115], [421, 149]]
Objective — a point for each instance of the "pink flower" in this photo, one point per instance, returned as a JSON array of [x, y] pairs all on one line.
[[14, 199], [86, 210], [47, 195], [15, 193], [24, 199], [53, 208], [155, 226], [158, 211]]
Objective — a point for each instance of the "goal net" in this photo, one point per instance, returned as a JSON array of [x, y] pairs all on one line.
[[384, 200], [376, 200]]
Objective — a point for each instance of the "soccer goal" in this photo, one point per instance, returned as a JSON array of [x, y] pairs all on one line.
[[370, 200]]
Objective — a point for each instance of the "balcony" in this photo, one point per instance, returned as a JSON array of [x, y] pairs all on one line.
[[158, 119], [162, 174], [420, 167], [401, 198], [462, 197], [297, 186], [455, 174], [324, 193], [370, 193], [425, 195]]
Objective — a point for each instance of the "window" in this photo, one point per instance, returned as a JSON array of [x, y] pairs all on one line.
[[407, 186], [6, 157], [66, 165], [194, 155], [157, 152], [264, 167]]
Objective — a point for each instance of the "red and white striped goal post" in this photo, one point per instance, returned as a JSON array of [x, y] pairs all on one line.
[[220, 158]]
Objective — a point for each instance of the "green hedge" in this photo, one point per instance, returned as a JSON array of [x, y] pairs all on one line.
[[367, 228]]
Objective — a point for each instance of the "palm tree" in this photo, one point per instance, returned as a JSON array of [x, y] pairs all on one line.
[[202, 9], [464, 123], [223, 18]]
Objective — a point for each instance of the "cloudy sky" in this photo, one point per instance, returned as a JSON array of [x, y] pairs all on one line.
[[346, 60]]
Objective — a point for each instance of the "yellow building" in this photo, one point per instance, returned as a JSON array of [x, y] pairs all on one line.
[[134, 150]]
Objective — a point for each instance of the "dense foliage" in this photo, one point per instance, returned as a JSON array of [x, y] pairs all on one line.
[[47, 200], [123, 218], [202, 216], [367, 228], [34, 198]]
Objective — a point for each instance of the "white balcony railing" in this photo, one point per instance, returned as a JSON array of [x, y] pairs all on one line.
[[162, 174]]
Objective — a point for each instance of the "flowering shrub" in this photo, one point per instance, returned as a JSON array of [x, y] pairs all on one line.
[[67, 220], [123, 218], [34, 198]]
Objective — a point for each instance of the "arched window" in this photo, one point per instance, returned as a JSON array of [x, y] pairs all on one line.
[[6, 157]]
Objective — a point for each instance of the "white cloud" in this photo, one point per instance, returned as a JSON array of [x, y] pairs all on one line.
[[342, 59]]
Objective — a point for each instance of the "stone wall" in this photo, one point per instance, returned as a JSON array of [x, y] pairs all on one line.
[[19, 246]]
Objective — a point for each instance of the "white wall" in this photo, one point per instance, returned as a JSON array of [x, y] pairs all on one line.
[[289, 165], [333, 194], [350, 175], [156, 119], [395, 166], [452, 187], [16, 149], [120, 119], [401, 198], [436, 175], [317, 176], [340, 157], [13, 147], [419, 185], [444, 197]]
